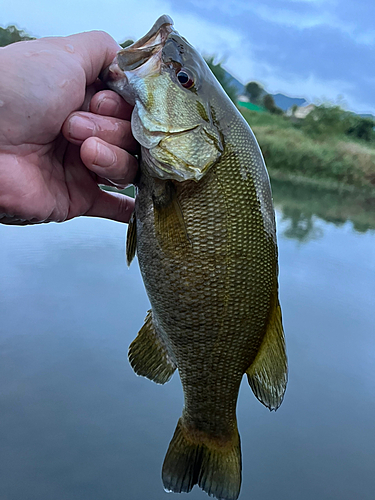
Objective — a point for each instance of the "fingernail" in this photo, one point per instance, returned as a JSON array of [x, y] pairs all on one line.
[[106, 105], [80, 127], [104, 157]]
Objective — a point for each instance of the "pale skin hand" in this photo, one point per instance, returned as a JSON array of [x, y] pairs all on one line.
[[58, 138]]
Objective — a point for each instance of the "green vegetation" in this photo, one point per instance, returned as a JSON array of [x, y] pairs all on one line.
[[321, 156], [254, 92], [222, 77], [331, 121], [12, 34], [259, 97], [269, 104]]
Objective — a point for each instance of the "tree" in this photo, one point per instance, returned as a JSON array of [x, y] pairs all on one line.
[[11, 34], [254, 91], [361, 128], [269, 104], [222, 77], [294, 109]]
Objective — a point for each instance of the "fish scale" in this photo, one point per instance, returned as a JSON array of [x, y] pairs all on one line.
[[204, 232]]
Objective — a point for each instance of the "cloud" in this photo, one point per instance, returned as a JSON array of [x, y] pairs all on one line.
[[301, 41], [290, 45], [208, 36]]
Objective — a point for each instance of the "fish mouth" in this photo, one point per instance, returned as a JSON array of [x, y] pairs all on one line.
[[138, 53], [146, 49]]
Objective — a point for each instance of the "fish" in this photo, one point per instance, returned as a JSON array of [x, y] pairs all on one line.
[[204, 232]]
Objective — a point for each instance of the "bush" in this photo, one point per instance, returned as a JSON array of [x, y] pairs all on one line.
[[326, 120], [289, 153], [361, 128]]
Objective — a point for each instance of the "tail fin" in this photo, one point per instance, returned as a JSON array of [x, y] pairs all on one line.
[[216, 469]]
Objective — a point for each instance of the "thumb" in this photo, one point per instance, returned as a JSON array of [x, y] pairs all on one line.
[[94, 49]]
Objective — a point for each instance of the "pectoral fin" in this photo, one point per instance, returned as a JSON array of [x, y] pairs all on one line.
[[170, 225], [268, 374], [131, 239], [148, 354]]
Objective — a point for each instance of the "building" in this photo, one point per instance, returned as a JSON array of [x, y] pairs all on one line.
[[300, 112]]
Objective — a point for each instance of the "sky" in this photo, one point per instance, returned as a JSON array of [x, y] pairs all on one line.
[[323, 50]]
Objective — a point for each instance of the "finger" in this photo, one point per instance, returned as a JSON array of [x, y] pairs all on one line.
[[15, 221], [108, 103], [91, 90], [114, 206], [108, 161], [81, 125], [94, 49]]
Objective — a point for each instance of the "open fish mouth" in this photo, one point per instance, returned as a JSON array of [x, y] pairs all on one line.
[[146, 49]]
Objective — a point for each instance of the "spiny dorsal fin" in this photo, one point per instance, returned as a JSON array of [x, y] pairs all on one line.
[[215, 467], [131, 239], [148, 355], [268, 374]]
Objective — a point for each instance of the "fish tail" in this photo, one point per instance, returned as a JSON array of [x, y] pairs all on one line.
[[214, 466]]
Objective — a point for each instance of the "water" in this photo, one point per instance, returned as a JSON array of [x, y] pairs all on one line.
[[76, 423]]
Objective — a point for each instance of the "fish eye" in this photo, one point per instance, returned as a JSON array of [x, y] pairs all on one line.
[[185, 79]]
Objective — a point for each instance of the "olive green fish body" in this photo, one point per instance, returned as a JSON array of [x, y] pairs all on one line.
[[204, 233], [211, 282]]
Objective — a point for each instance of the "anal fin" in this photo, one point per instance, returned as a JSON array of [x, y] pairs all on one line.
[[268, 374], [148, 355]]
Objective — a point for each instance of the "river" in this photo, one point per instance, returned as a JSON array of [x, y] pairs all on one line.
[[77, 424]]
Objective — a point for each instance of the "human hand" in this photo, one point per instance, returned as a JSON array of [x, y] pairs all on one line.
[[58, 138]]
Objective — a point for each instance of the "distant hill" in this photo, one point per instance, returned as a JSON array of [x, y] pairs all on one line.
[[285, 102], [282, 101], [240, 88]]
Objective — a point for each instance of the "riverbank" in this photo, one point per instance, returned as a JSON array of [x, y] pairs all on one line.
[[334, 162]]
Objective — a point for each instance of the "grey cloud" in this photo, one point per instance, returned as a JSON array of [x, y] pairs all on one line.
[[326, 52]]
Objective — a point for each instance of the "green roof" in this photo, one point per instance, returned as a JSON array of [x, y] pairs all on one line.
[[251, 106]]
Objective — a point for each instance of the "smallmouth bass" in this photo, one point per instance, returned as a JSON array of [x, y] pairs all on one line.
[[204, 232]]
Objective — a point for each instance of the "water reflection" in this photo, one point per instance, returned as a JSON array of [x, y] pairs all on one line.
[[300, 226], [77, 424], [304, 206]]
